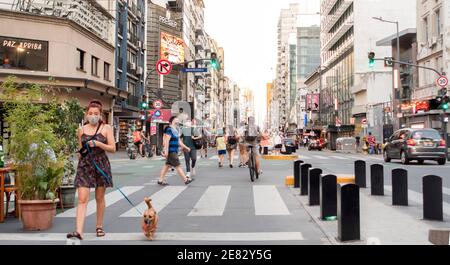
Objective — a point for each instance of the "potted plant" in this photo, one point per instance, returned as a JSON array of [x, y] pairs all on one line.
[[31, 149], [68, 116]]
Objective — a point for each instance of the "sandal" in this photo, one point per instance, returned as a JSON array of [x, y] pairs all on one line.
[[188, 181], [74, 235], [163, 183], [100, 232]]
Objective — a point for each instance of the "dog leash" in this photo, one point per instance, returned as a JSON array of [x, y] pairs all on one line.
[[106, 178]]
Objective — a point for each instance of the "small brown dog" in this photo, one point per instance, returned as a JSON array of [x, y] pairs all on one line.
[[150, 220]]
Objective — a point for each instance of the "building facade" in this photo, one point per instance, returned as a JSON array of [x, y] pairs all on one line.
[[350, 88], [32, 48]]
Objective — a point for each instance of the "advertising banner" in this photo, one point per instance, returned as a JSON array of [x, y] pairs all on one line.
[[172, 48]]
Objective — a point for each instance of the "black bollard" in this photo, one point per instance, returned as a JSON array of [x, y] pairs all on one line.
[[328, 196], [432, 198], [314, 186], [377, 180], [399, 187], [348, 212], [360, 173], [266, 150], [304, 170], [297, 165]]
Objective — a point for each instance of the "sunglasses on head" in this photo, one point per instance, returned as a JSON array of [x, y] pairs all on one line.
[[96, 102]]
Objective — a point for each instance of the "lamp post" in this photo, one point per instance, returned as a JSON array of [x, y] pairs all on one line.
[[397, 67]]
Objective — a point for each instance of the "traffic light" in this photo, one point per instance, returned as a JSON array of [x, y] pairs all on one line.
[[214, 61], [144, 103], [443, 99], [371, 59]]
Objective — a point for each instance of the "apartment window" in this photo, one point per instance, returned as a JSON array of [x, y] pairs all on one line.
[[80, 54], [437, 16], [426, 28], [106, 71], [94, 66]]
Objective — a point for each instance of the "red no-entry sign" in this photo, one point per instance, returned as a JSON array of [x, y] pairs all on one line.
[[163, 67]]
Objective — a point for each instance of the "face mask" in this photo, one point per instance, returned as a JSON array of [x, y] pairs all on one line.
[[93, 120]]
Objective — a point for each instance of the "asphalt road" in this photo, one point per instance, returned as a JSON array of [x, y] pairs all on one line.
[[220, 207]]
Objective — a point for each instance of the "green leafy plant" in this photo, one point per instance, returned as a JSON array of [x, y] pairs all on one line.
[[66, 122], [33, 146]]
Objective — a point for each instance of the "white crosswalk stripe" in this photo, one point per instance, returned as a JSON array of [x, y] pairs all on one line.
[[268, 201], [110, 199], [417, 197], [339, 157], [213, 202], [304, 157], [160, 200], [321, 157]]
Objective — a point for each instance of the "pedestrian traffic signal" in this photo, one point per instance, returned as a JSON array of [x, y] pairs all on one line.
[[371, 59], [214, 62]]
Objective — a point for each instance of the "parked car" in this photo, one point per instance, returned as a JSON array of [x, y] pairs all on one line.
[[415, 144], [315, 144]]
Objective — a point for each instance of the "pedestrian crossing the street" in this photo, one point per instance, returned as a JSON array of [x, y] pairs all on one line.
[[213, 202]]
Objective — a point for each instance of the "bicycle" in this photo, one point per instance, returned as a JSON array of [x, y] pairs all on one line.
[[252, 164]]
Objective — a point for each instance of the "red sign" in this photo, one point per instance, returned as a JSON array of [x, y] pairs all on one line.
[[164, 115], [163, 67], [158, 104], [442, 81]]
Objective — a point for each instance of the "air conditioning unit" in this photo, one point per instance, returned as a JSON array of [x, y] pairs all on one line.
[[128, 35], [133, 66], [140, 71]]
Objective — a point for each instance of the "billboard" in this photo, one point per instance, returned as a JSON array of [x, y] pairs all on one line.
[[172, 48], [312, 102]]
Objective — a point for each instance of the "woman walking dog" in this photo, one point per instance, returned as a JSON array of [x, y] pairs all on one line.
[[95, 139]]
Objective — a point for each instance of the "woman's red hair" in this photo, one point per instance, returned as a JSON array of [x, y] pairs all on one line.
[[95, 104]]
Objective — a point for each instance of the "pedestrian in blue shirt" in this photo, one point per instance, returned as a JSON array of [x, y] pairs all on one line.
[[172, 143]]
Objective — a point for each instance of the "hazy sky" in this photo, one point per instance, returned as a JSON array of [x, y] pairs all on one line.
[[247, 29]]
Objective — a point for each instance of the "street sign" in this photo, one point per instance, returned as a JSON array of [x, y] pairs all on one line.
[[158, 104], [157, 114], [163, 67], [194, 70], [442, 81]]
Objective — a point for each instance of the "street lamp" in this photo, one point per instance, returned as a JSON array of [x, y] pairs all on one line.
[[394, 102]]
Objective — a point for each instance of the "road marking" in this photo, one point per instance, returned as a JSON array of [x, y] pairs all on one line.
[[417, 197], [339, 157], [212, 202], [91, 190], [304, 157], [268, 201], [214, 157], [160, 200], [212, 237], [321, 157], [446, 191], [110, 198], [148, 167]]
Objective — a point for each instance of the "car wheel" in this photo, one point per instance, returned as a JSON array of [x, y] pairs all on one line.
[[405, 160], [442, 161], [387, 159]]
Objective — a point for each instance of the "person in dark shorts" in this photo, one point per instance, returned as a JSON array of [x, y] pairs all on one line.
[[172, 143], [94, 169]]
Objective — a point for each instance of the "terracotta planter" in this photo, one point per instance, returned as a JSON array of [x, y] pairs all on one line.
[[37, 215]]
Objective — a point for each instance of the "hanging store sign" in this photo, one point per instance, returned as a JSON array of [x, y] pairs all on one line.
[[168, 22], [172, 48]]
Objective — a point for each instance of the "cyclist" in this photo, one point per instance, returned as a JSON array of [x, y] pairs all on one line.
[[253, 139]]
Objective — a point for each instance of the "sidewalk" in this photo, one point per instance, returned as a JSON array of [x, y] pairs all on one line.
[[381, 223]]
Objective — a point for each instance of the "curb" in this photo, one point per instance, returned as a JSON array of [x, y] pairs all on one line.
[[281, 157]]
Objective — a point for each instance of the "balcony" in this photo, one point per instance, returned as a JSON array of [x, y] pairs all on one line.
[[199, 43], [334, 38], [330, 20], [199, 29]]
